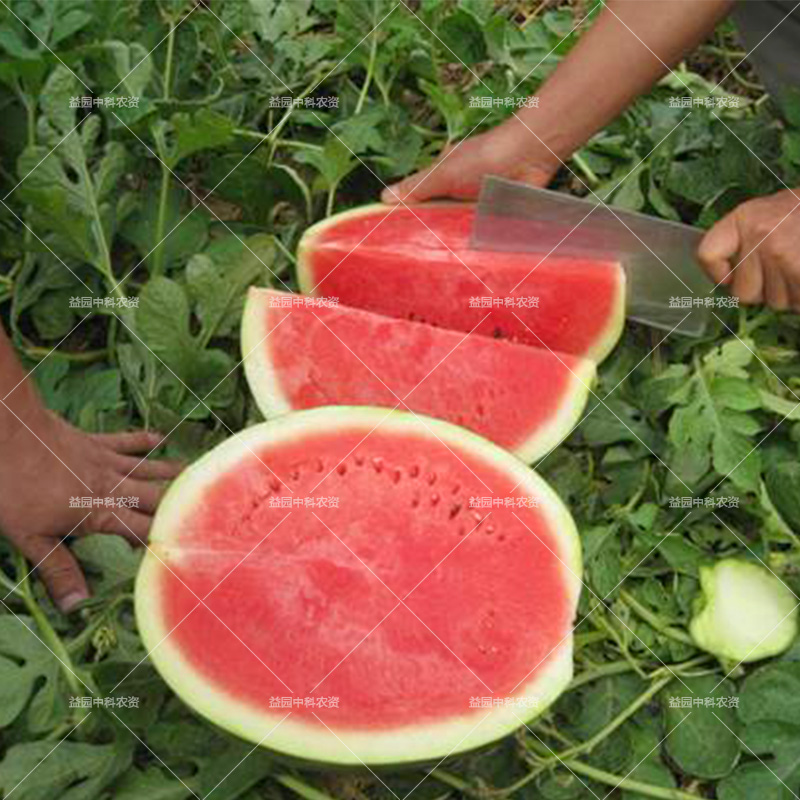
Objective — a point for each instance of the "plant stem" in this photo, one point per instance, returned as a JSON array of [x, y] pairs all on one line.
[[584, 167], [602, 623], [331, 199], [425, 133], [88, 356], [161, 219], [285, 250], [275, 132], [686, 667], [607, 730], [168, 65], [266, 137], [50, 638], [556, 734], [301, 788], [10, 587], [585, 639], [618, 667], [27, 255], [99, 234], [723, 51], [734, 72], [612, 668], [106, 617], [617, 781], [373, 49], [634, 501], [654, 620], [163, 195], [452, 780], [518, 784]]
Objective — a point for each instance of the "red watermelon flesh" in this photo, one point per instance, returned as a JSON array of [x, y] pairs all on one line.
[[305, 602], [301, 355], [416, 263]]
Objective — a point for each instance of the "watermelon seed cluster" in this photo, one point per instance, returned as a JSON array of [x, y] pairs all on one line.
[[414, 472]]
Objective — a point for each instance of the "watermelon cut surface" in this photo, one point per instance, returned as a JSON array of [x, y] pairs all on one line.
[[416, 263], [298, 354], [429, 622]]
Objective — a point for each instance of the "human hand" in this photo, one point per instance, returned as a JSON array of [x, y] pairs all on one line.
[[755, 250], [35, 490], [509, 152]]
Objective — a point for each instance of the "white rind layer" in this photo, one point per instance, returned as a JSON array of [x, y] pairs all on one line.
[[263, 380], [314, 741]]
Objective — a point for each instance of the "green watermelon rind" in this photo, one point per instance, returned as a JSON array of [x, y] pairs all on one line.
[[745, 613], [265, 383], [399, 745], [308, 284]]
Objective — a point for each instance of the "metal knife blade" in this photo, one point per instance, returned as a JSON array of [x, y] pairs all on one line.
[[666, 288]]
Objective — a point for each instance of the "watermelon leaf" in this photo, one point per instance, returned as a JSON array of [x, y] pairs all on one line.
[[29, 672], [164, 322], [70, 771], [689, 729], [75, 191], [710, 426]]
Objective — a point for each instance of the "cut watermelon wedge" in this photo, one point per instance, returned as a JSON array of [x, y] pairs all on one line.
[[298, 354], [403, 601], [416, 263]]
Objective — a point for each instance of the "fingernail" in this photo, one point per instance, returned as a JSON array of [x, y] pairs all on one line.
[[70, 602]]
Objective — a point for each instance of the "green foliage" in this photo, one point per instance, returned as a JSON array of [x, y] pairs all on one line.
[[690, 729], [783, 484], [203, 189], [710, 428], [31, 677], [73, 193], [771, 736]]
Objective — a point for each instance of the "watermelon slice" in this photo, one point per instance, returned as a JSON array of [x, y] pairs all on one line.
[[300, 354], [405, 621], [416, 263]]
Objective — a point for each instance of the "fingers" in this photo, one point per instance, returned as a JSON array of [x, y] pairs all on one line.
[[718, 254], [748, 280], [131, 441], [434, 181], [147, 469], [412, 189], [763, 245], [776, 287], [136, 477], [59, 571], [148, 493], [718, 249], [132, 525]]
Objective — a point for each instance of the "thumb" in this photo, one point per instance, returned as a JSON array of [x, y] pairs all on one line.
[[59, 571], [718, 248], [407, 191], [429, 182]]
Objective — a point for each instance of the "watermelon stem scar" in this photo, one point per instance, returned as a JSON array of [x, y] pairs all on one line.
[[402, 607]]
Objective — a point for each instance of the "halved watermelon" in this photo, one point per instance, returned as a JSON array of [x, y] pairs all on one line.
[[402, 604], [416, 263], [299, 354]]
